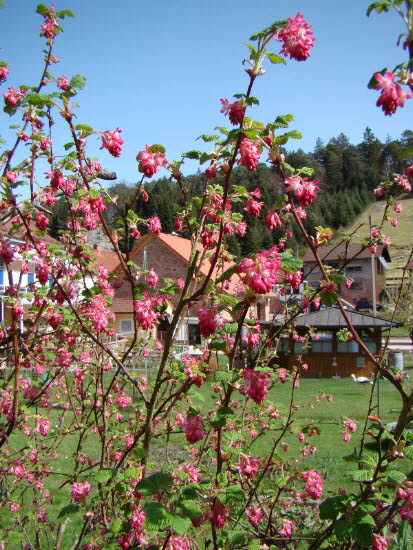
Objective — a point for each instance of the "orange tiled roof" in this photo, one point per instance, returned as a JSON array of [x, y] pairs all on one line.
[[109, 259], [183, 247]]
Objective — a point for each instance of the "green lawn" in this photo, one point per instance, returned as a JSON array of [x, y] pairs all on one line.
[[349, 400]]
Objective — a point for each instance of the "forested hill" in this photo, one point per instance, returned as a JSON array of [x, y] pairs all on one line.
[[347, 174]]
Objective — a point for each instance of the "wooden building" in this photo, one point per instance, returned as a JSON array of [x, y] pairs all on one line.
[[325, 355]]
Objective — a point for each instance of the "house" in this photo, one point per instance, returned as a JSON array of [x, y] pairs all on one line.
[[355, 261], [326, 355], [169, 255]]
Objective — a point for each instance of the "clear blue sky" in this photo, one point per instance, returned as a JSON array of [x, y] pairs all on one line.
[[158, 69]]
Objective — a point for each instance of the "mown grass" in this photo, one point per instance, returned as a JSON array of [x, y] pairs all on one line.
[[349, 400]]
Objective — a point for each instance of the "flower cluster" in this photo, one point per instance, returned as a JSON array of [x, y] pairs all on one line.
[[262, 271], [313, 484], [250, 152], [392, 95], [235, 111], [209, 320], [304, 190], [297, 38], [256, 384], [112, 141], [150, 162], [193, 428]]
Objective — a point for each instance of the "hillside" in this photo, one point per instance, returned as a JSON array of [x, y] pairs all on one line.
[[401, 236]]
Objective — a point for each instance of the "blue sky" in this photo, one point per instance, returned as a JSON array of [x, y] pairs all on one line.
[[158, 69]]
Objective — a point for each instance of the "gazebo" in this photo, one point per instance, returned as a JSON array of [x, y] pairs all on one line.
[[326, 355]]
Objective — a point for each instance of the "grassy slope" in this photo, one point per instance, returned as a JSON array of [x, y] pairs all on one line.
[[401, 236]]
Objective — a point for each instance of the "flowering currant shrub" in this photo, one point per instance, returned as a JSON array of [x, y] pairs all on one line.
[[95, 454]]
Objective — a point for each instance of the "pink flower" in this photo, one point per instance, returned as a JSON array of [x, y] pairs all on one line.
[[314, 484], [392, 96], [262, 271], [80, 491], [211, 171], [178, 224], [218, 514], [7, 252], [193, 428], [152, 278], [286, 528], [122, 400], [12, 97], [42, 221], [154, 225], [62, 82], [253, 207], [303, 189], [137, 518], [256, 384], [297, 38], [194, 474], [209, 321], [235, 111], [43, 427], [12, 177], [4, 73], [398, 206], [254, 515], [112, 141], [379, 542], [272, 220], [18, 310], [248, 466], [282, 375], [50, 25], [250, 152], [55, 320], [150, 162], [350, 425]]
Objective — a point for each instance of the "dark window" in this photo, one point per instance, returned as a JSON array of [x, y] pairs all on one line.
[[194, 335]]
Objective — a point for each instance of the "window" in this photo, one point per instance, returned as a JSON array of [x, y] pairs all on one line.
[[322, 342], [194, 335], [283, 345], [356, 285], [350, 346], [354, 268], [369, 343], [125, 326], [30, 278]]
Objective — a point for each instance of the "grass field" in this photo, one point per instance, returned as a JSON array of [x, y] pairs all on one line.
[[349, 400]]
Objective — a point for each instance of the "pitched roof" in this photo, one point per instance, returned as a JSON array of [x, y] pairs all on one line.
[[332, 317], [121, 305], [345, 251], [109, 259], [183, 248]]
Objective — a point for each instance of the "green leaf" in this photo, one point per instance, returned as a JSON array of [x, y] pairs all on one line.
[[236, 537], [154, 483], [103, 475], [331, 507], [69, 509], [208, 137], [361, 475], [84, 129], [157, 517], [218, 346], [64, 13], [403, 535], [68, 146], [77, 81], [271, 29], [338, 278], [363, 533], [274, 58], [395, 476], [156, 148], [192, 154], [191, 509], [343, 530], [328, 298], [408, 452], [178, 523], [42, 9], [379, 7], [289, 263], [230, 328], [228, 300]]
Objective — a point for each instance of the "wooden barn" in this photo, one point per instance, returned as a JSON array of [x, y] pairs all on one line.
[[328, 357]]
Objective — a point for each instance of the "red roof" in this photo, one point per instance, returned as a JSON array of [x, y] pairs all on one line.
[[109, 259], [121, 305], [183, 248]]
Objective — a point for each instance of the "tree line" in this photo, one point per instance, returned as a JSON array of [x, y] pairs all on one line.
[[347, 175]]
